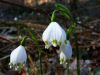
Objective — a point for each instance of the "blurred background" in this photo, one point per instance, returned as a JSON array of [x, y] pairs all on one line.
[[15, 15]]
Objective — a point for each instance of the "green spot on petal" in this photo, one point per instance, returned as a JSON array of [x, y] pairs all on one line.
[[54, 42], [62, 61]]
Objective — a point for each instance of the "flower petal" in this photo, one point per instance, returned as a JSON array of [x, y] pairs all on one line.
[[62, 57], [48, 31], [54, 32], [18, 55], [67, 49]]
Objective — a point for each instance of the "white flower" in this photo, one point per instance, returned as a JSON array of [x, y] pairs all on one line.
[[54, 35], [66, 52], [62, 57], [18, 56]]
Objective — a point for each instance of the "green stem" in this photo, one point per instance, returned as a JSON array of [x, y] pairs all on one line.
[[23, 41], [78, 55], [68, 64], [41, 71], [53, 15]]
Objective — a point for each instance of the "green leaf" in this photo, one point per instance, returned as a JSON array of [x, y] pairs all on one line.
[[65, 11], [33, 36], [71, 29], [65, 14], [63, 8]]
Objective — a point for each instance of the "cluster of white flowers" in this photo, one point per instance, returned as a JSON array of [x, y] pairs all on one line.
[[55, 35]]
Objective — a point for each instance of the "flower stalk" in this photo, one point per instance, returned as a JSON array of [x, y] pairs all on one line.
[[68, 65], [23, 41], [78, 54], [53, 15], [41, 70], [65, 12]]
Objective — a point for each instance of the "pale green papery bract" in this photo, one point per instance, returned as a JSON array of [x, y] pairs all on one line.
[[18, 56], [54, 35], [66, 52]]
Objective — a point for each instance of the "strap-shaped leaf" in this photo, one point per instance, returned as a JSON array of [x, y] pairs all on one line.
[[65, 14], [33, 36], [63, 8]]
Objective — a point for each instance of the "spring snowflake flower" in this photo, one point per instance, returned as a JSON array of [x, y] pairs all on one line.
[[66, 52], [18, 56], [62, 57], [54, 35]]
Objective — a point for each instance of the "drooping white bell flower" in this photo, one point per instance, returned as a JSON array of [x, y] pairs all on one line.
[[66, 52], [67, 49], [62, 57], [54, 35], [18, 55]]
